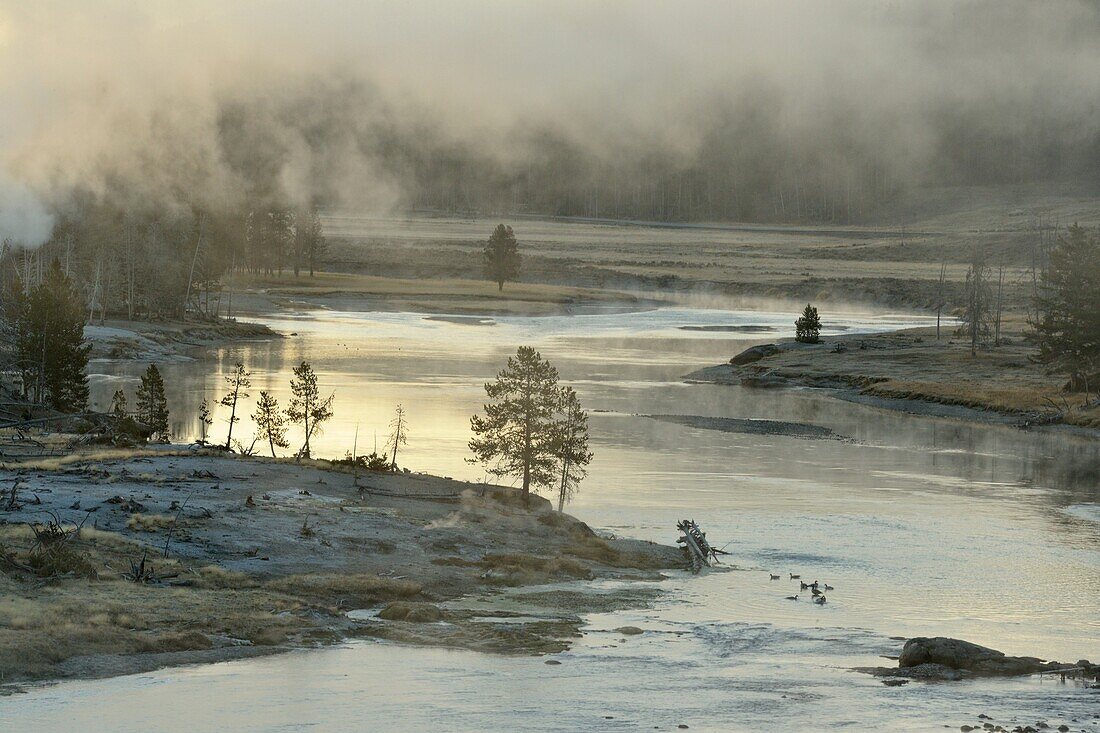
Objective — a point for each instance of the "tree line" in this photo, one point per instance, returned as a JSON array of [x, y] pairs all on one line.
[[147, 264]]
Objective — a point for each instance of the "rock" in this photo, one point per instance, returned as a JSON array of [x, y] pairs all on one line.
[[767, 380], [754, 353], [1063, 728], [551, 661], [895, 682], [965, 728], [630, 630], [417, 613], [963, 655]]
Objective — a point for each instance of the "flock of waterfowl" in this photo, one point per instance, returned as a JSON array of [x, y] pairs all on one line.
[[816, 589]]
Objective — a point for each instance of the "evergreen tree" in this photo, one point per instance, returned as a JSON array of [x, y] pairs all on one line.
[[502, 258], [152, 406], [239, 381], [1068, 304], [515, 437], [270, 422], [206, 419], [399, 432], [50, 344], [807, 329], [570, 444], [118, 403], [306, 405]]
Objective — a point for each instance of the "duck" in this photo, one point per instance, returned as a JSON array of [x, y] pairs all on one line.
[[795, 577], [805, 586], [816, 592], [793, 598], [819, 600], [826, 586], [774, 577]]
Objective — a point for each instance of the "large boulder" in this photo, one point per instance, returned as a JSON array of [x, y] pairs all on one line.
[[754, 353], [963, 655]]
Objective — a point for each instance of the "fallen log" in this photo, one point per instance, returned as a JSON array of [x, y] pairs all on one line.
[[699, 551]]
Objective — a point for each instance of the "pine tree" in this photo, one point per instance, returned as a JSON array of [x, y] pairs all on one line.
[[118, 403], [152, 406], [502, 258], [515, 437], [1068, 304], [807, 329], [270, 422], [399, 432], [238, 382], [52, 350], [206, 419], [570, 444], [306, 405]]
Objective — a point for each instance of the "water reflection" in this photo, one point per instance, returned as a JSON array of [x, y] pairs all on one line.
[[913, 516]]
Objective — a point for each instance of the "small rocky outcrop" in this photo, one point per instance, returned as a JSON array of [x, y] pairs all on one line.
[[417, 613], [944, 658], [754, 353], [963, 655]]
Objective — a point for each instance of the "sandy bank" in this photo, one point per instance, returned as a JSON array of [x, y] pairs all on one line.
[[264, 556], [912, 371]]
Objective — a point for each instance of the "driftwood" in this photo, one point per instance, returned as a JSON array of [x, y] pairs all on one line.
[[699, 551]]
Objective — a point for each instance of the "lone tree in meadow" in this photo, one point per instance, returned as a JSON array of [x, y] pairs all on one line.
[[306, 405], [399, 434], [807, 329], [570, 444], [1067, 326], [152, 406], [270, 422], [515, 437], [502, 258], [239, 380]]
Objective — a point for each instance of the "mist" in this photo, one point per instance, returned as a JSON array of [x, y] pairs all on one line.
[[715, 111]]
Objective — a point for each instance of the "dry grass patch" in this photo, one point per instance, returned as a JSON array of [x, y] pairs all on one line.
[[345, 590], [150, 522]]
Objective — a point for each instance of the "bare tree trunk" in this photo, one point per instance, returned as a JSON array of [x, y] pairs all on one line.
[[194, 259]]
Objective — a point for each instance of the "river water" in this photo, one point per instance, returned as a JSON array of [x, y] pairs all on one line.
[[925, 526]]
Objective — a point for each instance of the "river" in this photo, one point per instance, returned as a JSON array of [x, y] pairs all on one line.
[[925, 526]]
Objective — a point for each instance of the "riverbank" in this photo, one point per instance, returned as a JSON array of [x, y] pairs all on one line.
[[356, 292], [161, 341], [912, 371], [125, 561]]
